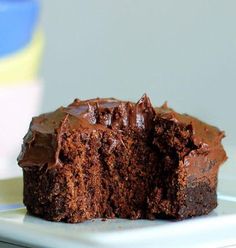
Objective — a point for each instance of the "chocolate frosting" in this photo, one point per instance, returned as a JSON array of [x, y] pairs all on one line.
[[203, 133], [41, 144]]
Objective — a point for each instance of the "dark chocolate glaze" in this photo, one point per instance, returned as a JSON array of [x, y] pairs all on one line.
[[41, 144], [203, 133]]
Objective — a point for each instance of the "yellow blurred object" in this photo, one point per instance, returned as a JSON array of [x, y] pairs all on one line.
[[24, 65]]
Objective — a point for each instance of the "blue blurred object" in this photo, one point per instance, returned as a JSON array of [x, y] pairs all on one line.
[[18, 19]]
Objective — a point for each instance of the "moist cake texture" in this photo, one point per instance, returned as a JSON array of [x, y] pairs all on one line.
[[106, 158]]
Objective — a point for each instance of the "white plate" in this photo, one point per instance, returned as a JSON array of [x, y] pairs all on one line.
[[215, 230]]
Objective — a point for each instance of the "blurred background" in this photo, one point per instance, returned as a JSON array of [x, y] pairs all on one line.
[[180, 51]]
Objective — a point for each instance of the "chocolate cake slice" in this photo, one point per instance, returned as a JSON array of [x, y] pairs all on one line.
[[105, 158]]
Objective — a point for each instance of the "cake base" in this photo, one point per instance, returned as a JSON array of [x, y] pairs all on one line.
[[53, 200]]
